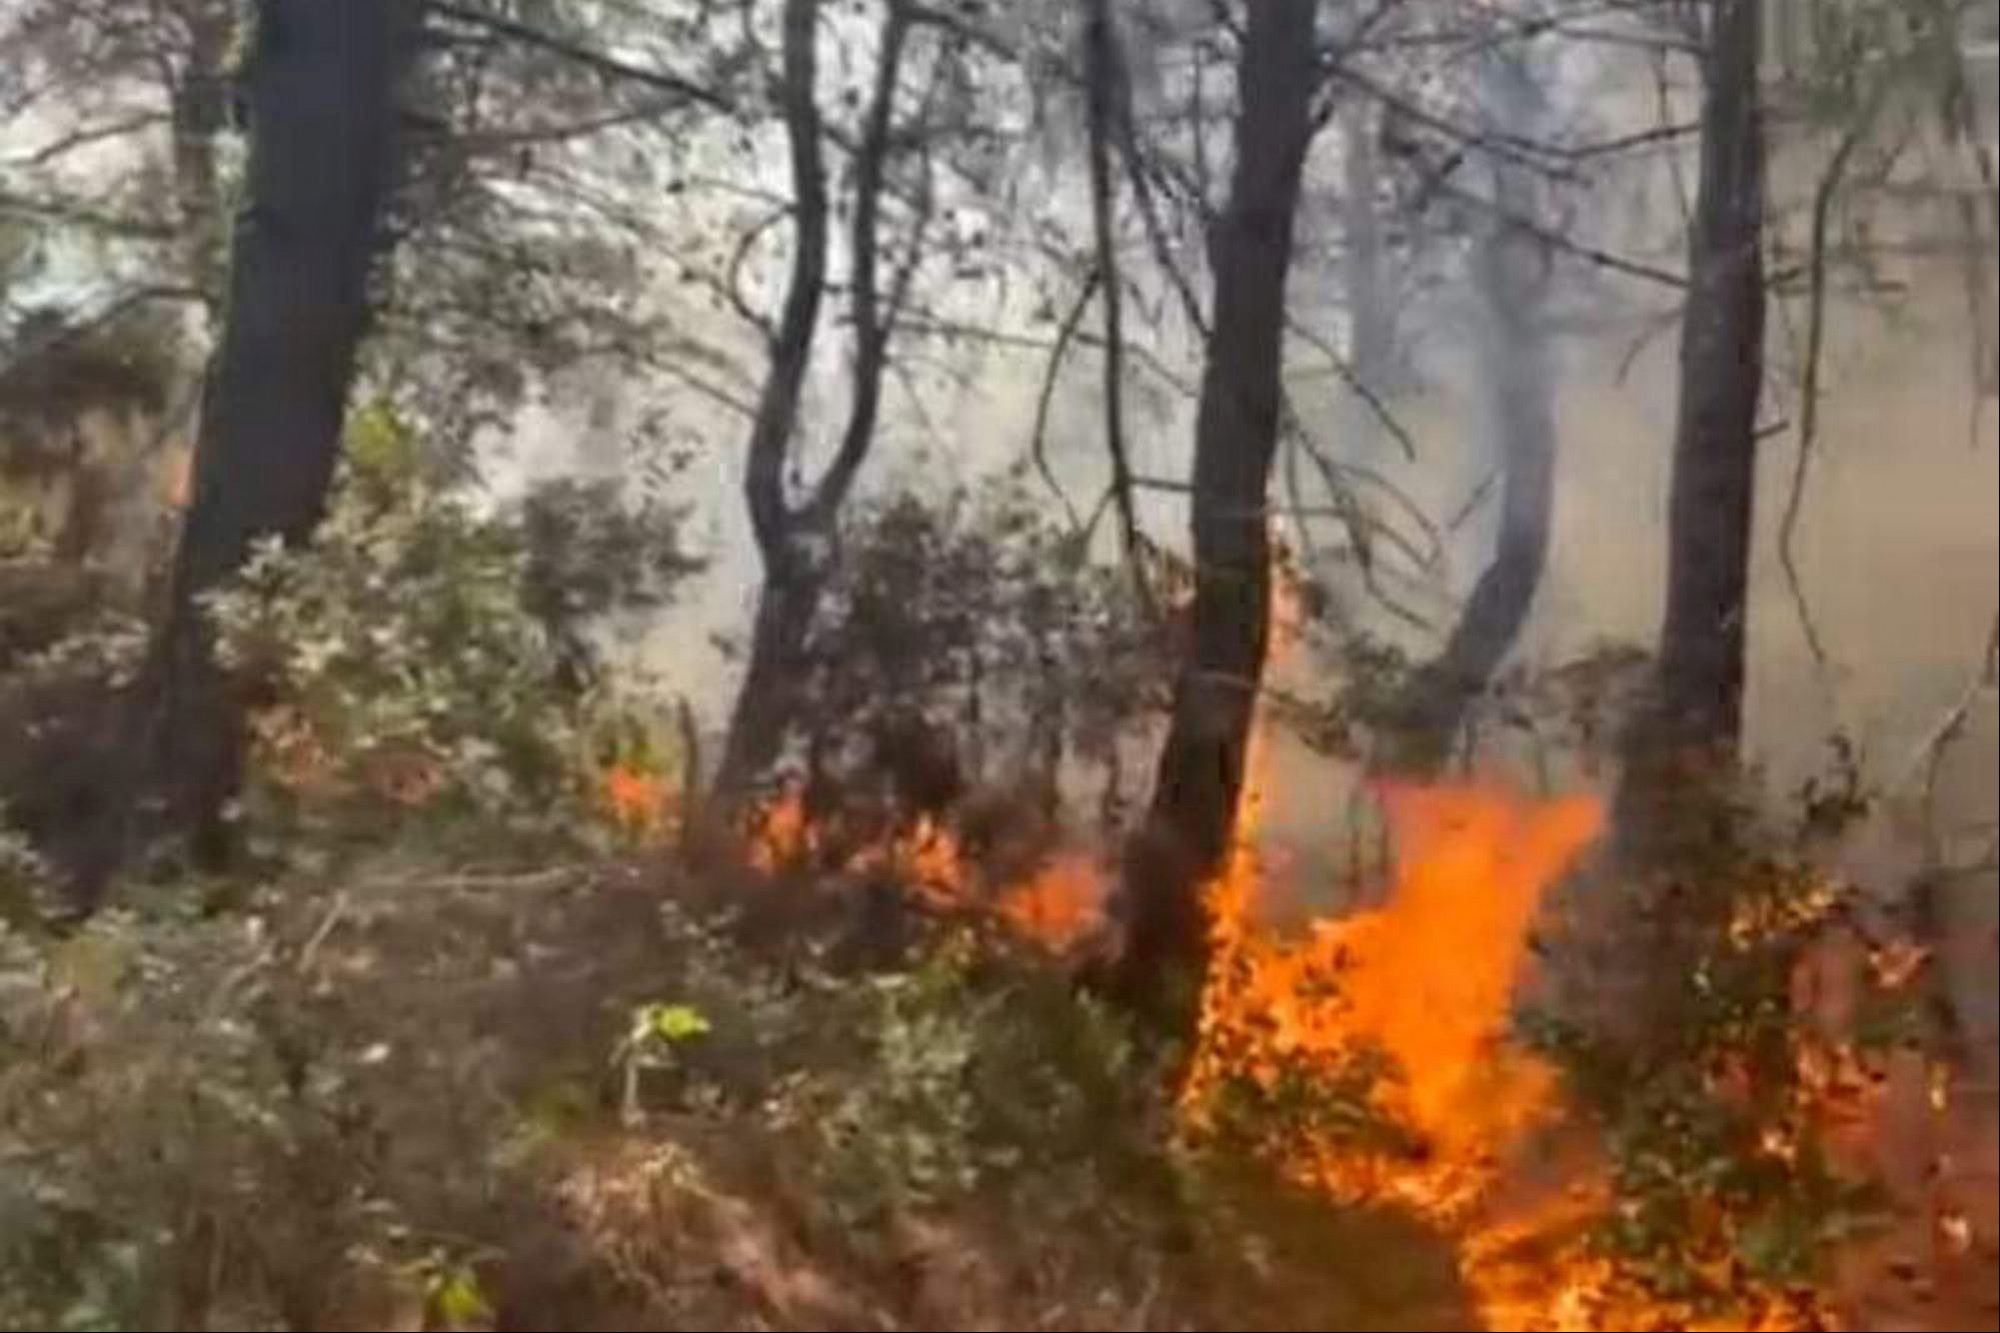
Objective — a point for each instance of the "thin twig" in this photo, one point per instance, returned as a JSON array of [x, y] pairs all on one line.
[[76, 212], [1370, 399], [84, 137], [1566, 244], [1102, 73], [317, 940], [577, 53], [732, 283], [1940, 737], [1038, 448], [1824, 197], [1474, 502]]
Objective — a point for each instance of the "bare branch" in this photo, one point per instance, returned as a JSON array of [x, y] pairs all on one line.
[[949, 329], [86, 136], [76, 212], [732, 283], [972, 34], [1103, 80], [1359, 387], [1824, 196], [1066, 334], [871, 331], [791, 353], [1569, 245], [577, 53], [1534, 154]]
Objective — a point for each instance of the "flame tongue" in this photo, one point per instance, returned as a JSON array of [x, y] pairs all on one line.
[[1430, 978], [1426, 981]]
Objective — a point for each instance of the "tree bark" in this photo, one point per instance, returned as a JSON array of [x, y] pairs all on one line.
[[1201, 769], [795, 541], [1372, 345], [323, 105], [1104, 92], [1691, 726], [1511, 275], [790, 589]]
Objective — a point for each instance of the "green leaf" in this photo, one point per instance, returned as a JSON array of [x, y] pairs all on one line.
[[457, 1300], [669, 1024]]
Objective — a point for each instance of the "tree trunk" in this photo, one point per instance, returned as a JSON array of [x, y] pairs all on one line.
[[795, 541], [785, 602], [1201, 770], [766, 699], [1511, 274], [324, 109], [1690, 728], [1371, 350]]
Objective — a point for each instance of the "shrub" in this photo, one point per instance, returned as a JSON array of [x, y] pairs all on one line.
[[424, 660]]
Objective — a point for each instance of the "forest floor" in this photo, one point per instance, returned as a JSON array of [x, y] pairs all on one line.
[[432, 1103]]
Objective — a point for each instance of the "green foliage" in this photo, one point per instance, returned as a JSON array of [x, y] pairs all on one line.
[[454, 1297], [977, 1081], [983, 616], [1727, 1193], [593, 556], [422, 658], [653, 1043], [664, 1026], [145, 1104], [1308, 1100], [53, 369]]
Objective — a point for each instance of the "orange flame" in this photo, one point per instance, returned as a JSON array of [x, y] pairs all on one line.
[[636, 799], [1427, 981], [1058, 907], [781, 835]]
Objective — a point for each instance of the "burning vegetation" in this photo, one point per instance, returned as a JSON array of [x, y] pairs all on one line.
[[397, 931]]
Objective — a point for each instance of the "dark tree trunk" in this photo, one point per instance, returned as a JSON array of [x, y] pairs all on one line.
[[767, 697], [1511, 275], [790, 590], [1201, 769], [1691, 725], [795, 541], [323, 106]]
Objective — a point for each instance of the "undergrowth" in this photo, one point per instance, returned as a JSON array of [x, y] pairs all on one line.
[[519, 1097]]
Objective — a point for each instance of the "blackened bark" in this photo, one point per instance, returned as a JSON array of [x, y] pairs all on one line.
[[322, 164], [1511, 275], [1201, 769], [1104, 76], [790, 589], [323, 106], [1690, 728], [795, 541]]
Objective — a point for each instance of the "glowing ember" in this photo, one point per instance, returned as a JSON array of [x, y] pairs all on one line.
[[780, 835], [637, 800], [1061, 906]]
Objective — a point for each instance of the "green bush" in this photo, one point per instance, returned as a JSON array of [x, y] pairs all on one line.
[[1726, 1194], [424, 661]]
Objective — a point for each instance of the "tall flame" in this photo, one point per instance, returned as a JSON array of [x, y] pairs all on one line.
[[1426, 981], [1424, 988]]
